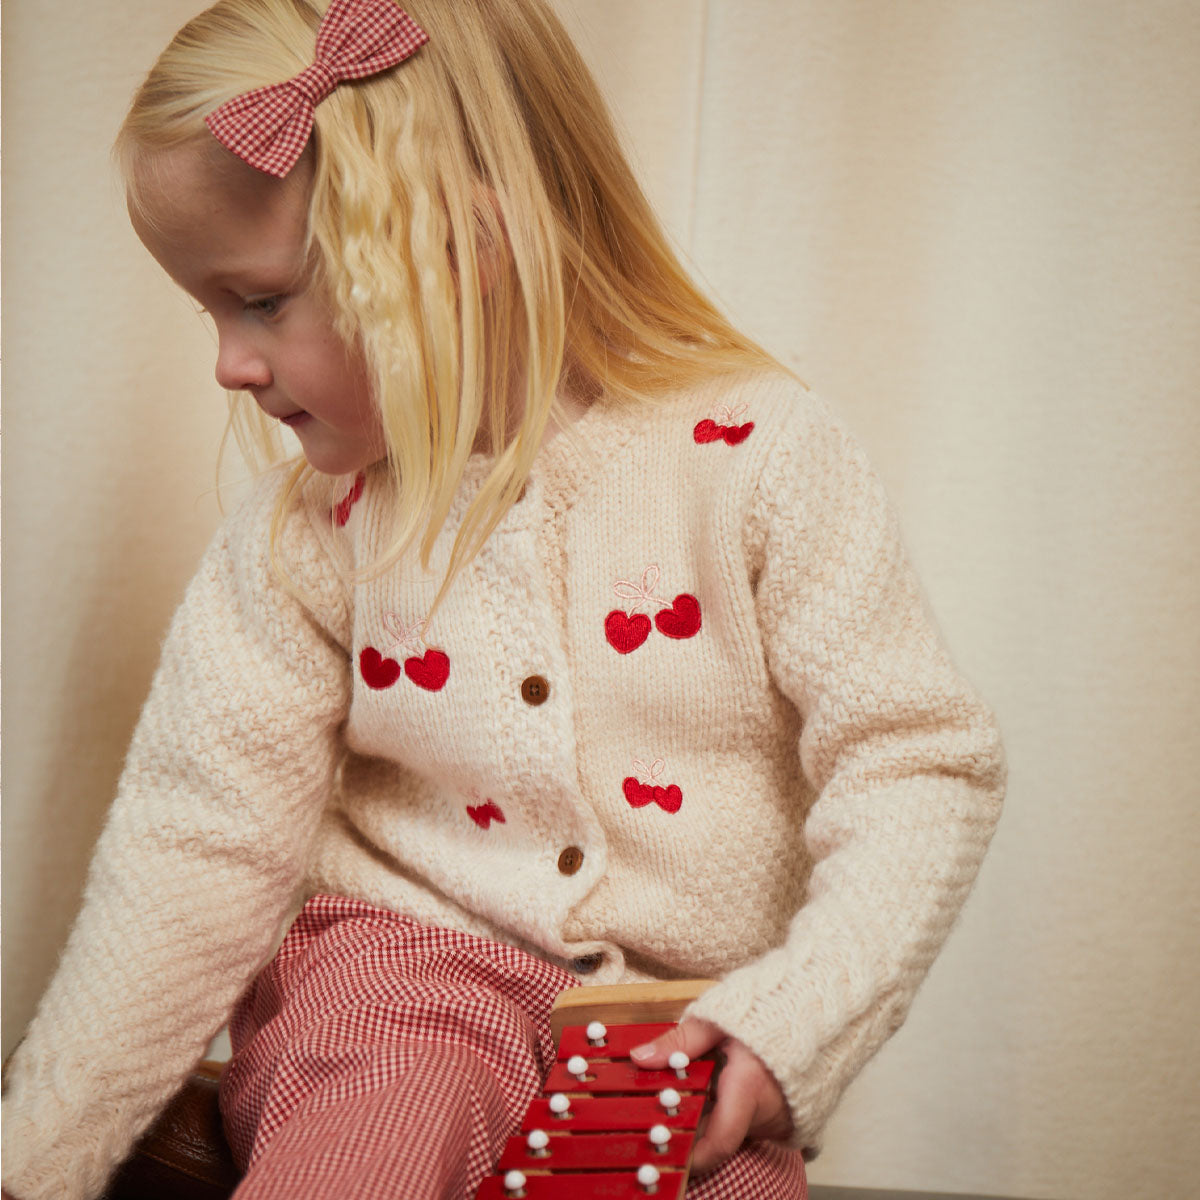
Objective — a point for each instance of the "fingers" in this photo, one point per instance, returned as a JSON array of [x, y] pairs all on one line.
[[731, 1117], [692, 1035], [749, 1102]]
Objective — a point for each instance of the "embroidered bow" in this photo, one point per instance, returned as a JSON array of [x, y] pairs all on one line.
[[270, 126]]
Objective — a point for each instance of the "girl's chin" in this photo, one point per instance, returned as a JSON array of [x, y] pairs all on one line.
[[332, 456], [338, 466]]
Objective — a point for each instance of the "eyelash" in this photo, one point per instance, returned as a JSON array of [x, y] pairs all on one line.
[[266, 306]]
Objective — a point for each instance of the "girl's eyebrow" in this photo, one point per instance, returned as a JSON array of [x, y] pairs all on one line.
[[256, 279]]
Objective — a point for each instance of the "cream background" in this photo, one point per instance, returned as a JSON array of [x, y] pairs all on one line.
[[973, 223]]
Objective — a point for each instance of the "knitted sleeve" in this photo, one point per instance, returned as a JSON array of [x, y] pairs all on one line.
[[905, 762], [203, 850]]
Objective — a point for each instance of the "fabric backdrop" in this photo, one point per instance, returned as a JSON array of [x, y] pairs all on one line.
[[975, 226]]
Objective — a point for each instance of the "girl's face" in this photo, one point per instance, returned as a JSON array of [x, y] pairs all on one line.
[[233, 239]]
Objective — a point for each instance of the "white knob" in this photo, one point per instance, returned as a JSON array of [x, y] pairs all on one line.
[[577, 1065], [537, 1141], [597, 1031], [514, 1183], [648, 1176], [679, 1063], [670, 1099], [560, 1105], [660, 1135]]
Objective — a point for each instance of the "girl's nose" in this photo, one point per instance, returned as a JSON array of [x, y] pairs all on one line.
[[239, 366]]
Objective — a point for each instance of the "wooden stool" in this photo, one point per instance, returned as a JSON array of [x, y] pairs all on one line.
[[184, 1155]]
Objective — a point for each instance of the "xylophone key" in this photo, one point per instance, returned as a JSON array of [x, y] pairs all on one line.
[[601, 1114], [605, 1129], [630, 1185], [599, 1078]]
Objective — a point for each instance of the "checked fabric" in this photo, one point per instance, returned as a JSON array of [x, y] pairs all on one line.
[[376, 1057], [270, 126]]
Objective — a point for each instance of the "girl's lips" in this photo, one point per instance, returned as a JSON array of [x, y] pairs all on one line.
[[297, 418]]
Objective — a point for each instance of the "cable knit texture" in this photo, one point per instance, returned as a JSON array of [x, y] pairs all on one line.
[[698, 658]]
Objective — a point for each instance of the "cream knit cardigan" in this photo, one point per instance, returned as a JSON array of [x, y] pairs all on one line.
[[747, 729]]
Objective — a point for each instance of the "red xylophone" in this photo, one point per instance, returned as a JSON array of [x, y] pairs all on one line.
[[604, 1129]]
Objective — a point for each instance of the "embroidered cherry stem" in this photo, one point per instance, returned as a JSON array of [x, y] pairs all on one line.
[[648, 774], [406, 637], [642, 592], [730, 415]]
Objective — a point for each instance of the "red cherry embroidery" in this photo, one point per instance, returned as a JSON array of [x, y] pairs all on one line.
[[625, 633], [430, 671], [377, 671], [341, 513], [669, 798], [724, 426], [638, 794], [484, 814], [682, 619]]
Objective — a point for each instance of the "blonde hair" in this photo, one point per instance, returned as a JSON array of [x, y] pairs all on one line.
[[488, 156]]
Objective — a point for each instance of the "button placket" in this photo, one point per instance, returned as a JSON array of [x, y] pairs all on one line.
[[533, 659]]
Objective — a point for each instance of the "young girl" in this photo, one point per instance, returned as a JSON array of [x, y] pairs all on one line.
[[580, 647]]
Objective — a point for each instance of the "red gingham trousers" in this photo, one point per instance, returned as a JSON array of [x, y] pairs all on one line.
[[378, 1059]]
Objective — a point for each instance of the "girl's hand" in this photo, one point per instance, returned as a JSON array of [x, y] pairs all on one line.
[[749, 1103]]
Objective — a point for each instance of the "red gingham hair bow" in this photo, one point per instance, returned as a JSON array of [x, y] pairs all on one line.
[[270, 126]]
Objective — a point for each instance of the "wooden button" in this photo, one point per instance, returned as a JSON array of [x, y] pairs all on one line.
[[535, 690], [570, 860]]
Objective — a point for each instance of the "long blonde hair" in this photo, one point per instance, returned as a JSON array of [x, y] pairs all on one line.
[[489, 155]]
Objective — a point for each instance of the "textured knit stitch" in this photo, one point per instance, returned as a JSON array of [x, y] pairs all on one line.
[[839, 780]]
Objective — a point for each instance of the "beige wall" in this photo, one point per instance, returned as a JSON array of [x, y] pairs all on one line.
[[975, 225]]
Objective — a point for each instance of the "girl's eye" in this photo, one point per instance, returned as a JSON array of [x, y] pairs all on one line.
[[264, 306]]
